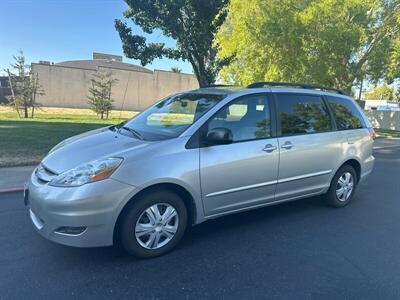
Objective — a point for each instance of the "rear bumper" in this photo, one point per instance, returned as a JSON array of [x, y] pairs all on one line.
[[91, 210], [367, 167]]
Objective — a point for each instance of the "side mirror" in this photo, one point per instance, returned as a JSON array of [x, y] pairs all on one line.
[[219, 136]]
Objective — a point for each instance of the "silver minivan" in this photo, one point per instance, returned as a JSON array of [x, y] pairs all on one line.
[[198, 155]]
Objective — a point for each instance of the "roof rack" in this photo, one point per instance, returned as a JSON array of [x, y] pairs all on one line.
[[220, 85], [295, 85]]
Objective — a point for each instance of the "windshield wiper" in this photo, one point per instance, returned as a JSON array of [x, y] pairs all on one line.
[[134, 132]]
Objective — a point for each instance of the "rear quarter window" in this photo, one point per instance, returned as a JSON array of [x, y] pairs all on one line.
[[346, 114]]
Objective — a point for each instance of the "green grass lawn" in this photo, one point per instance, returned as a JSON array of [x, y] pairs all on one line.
[[26, 141], [387, 133]]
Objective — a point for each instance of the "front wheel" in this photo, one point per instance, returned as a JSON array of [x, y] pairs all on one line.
[[154, 224], [342, 187]]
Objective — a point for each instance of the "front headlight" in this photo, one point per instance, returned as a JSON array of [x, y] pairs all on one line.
[[89, 172]]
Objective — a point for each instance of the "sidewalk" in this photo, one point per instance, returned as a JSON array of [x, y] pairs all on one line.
[[13, 179]]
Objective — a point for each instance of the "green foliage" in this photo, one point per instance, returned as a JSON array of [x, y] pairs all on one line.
[[176, 70], [383, 92], [25, 87], [191, 23], [99, 98], [328, 42]]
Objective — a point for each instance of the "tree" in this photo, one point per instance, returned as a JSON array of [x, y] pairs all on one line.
[[25, 87], [176, 70], [334, 43], [383, 92], [191, 23], [99, 97]]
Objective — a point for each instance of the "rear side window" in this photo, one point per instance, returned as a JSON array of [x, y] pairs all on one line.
[[346, 114], [302, 114]]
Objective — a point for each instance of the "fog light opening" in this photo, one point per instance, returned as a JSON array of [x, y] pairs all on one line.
[[71, 230]]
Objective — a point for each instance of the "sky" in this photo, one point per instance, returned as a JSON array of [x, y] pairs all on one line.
[[60, 30]]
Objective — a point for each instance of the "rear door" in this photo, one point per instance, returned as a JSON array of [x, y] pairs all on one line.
[[309, 148], [244, 173]]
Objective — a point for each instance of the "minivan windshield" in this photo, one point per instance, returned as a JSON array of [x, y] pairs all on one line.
[[171, 116]]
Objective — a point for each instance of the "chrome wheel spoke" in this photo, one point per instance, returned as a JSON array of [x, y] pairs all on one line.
[[347, 177], [156, 212], [143, 229], [168, 215], [342, 180], [156, 240], [170, 229], [340, 192], [150, 214], [150, 241], [167, 234]]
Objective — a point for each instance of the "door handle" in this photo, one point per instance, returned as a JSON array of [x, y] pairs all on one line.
[[269, 148], [287, 145]]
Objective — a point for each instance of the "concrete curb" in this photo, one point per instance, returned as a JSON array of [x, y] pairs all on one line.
[[386, 147], [11, 190], [12, 179]]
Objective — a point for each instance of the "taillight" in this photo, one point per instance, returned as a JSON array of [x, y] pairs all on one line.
[[372, 133]]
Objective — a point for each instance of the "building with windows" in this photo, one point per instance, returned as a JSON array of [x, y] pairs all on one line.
[[5, 89], [66, 83]]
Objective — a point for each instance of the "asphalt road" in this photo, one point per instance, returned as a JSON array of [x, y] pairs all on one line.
[[298, 250]]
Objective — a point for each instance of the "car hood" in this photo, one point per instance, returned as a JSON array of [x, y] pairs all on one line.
[[89, 146]]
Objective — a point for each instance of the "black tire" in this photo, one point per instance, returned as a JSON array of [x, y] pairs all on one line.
[[331, 196], [131, 216]]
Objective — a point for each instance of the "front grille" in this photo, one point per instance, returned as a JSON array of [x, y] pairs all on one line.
[[44, 174]]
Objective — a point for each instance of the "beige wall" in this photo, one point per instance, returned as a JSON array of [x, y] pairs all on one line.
[[68, 87], [384, 119]]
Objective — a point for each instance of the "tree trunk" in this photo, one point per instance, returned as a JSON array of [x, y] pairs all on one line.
[[34, 95], [26, 111], [200, 72], [361, 88]]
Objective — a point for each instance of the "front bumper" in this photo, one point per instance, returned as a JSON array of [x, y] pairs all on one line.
[[92, 207]]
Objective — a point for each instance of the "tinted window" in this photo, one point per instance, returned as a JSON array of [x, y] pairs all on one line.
[[302, 114], [248, 118], [346, 114]]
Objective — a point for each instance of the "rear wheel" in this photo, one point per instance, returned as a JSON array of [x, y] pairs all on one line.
[[154, 224], [342, 187]]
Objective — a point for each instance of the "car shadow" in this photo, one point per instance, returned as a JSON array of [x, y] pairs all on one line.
[[254, 218]]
